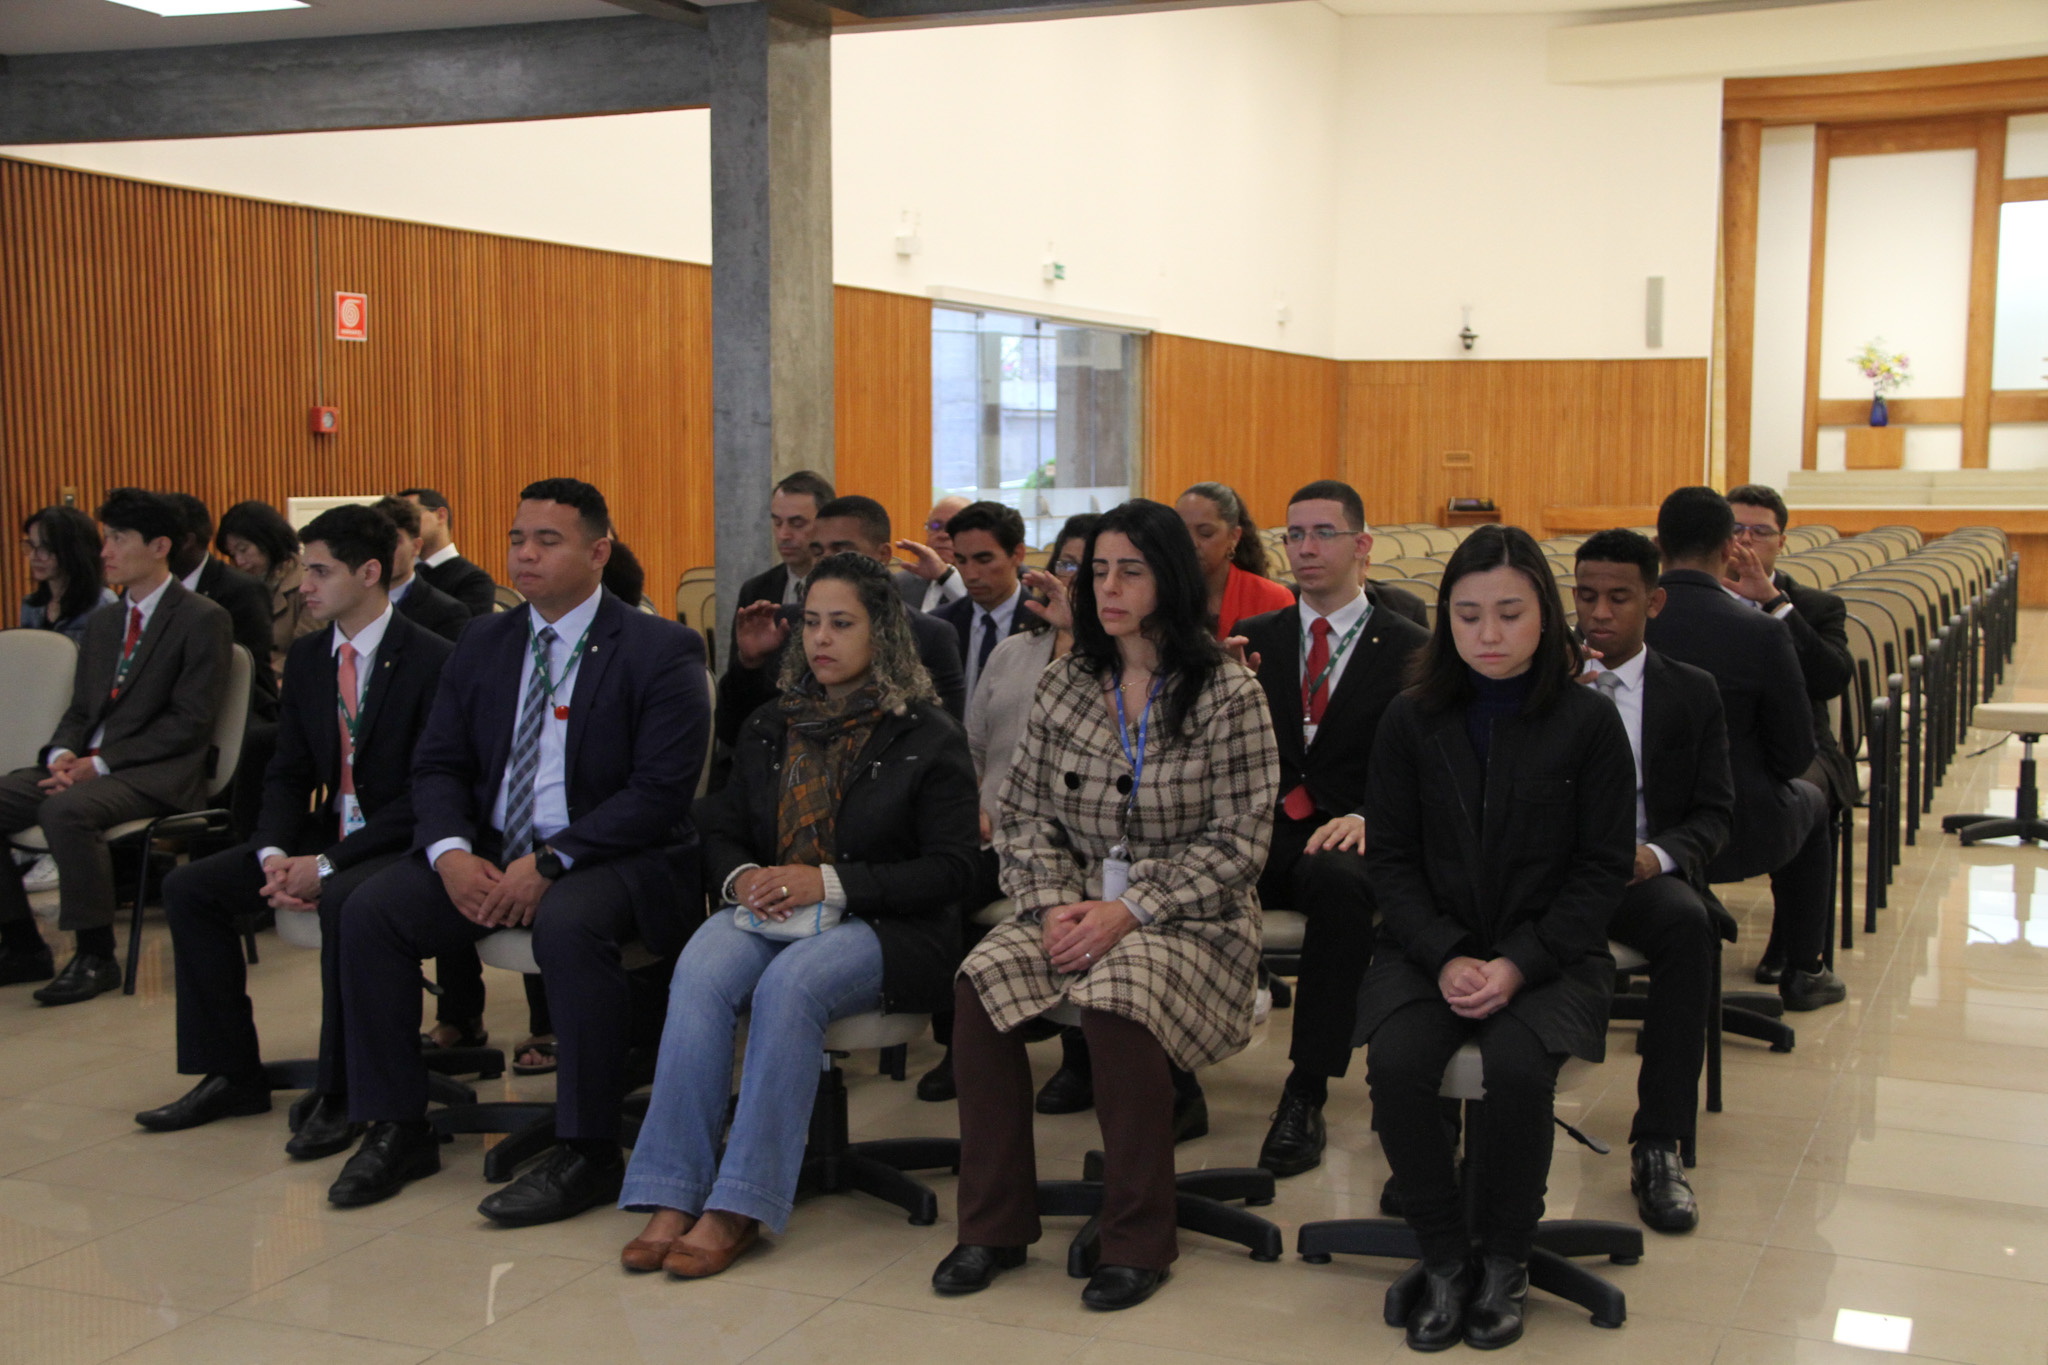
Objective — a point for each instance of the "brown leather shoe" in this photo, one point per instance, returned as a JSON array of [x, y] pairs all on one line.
[[644, 1255], [689, 1263]]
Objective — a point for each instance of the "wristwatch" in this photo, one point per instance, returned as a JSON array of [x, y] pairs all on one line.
[[548, 863], [1781, 600], [325, 868]]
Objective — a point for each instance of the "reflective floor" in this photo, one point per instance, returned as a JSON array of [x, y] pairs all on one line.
[[1882, 1190]]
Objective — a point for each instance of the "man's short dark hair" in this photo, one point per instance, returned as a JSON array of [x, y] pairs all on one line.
[[872, 516], [400, 512], [1006, 524], [1337, 491], [1623, 547], [1764, 496], [1694, 522], [355, 535], [193, 517], [584, 497], [427, 496], [806, 483], [147, 514]]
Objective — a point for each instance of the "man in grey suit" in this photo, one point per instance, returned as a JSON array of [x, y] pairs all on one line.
[[135, 743]]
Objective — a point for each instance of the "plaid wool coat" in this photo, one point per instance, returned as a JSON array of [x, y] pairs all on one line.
[[1198, 837]]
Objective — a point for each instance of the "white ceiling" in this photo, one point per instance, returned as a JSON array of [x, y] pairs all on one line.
[[100, 25]]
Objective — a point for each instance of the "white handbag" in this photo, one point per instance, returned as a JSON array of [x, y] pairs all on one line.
[[807, 922]]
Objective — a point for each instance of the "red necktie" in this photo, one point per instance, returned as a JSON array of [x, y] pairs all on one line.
[[347, 676], [1313, 703]]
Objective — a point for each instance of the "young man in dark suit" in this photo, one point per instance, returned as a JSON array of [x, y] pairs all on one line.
[[246, 601], [1329, 666], [411, 594], [551, 790], [988, 548], [337, 808], [440, 564], [1820, 636], [1685, 801], [792, 507], [1781, 821], [855, 525], [135, 743]]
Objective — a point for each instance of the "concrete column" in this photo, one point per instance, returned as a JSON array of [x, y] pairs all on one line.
[[771, 272]]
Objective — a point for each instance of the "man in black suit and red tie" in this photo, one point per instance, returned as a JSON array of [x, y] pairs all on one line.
[[551, 792], [337, 808], [1329, 665], [135, 743]]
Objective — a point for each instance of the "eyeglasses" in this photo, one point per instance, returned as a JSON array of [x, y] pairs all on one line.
[[1745, 532], [1321, 535], [935, 525], [1066, 568]]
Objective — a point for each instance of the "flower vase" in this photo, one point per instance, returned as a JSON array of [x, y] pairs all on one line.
[[1878, 416]]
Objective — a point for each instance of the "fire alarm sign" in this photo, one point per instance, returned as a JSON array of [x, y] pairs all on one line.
[[351, 317]]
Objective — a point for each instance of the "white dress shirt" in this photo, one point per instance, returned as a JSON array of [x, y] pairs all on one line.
[[1341, 620], [1004, 614], [148, 606], [551, 777], [1628, 699], [949, 587], [365, 641], [398, 588], [441, 556]]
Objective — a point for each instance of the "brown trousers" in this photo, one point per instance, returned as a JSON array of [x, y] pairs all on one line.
[[999, 1167]]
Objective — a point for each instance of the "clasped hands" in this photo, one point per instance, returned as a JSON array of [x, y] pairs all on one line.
[[778, 892], [66, 772], [1077, 936], [1475, 989], [482, 894]]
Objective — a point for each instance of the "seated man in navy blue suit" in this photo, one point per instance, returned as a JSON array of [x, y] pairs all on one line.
[[551, 791], [988, 547]]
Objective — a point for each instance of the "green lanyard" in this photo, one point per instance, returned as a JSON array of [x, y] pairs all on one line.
[[1309, 690], [540, 667]]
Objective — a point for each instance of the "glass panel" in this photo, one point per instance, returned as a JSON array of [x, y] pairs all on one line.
[[1039, 415], [2019, 346]]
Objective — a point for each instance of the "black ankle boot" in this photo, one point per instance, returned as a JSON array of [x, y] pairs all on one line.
[[1494, 1317], [1438, 1318]]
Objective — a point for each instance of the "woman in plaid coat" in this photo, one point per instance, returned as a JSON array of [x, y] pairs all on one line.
[[1135, 822]]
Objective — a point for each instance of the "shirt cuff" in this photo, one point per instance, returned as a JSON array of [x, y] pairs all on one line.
[[952, 588], [1782, 612], [440, 846], [1138, 912], [835, 894], [99, 765], [725, 890], [1664, 860], [263, 855], [51, 755]]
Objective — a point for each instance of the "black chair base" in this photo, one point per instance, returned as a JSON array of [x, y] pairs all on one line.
[[1550, 1268], [304, 1074], [834, 1164], [1202, 1204], [484, 1063], [528, 1126], [1972, 829]]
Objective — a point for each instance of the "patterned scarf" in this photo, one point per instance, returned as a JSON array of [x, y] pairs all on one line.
[[824, 742]]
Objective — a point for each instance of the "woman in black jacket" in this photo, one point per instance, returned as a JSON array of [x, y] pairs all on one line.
[[1501, 811], [840, 848]]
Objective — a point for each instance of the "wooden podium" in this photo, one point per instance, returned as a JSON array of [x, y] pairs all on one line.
[[1876, 448]]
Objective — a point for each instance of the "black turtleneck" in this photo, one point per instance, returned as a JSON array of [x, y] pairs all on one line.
[[1494, 699]]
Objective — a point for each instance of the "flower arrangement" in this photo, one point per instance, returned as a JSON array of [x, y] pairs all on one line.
[[1884, 370]]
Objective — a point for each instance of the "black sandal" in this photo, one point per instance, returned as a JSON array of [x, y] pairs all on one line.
[[474, 1034], [546, 1050]]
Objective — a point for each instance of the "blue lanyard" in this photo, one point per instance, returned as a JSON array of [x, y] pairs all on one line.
[[1123, 725]]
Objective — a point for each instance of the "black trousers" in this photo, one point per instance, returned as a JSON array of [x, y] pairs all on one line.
[[1405, 1068], [1665, 920], [1801, 885], [204, 902], [1331, 889], [402, 916]]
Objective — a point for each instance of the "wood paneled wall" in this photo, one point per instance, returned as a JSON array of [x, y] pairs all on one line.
[[882, 378], [1541, 433], [173, 338], [1264, 422]]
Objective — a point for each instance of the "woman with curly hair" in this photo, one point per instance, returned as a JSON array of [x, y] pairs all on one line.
[[841, 848]]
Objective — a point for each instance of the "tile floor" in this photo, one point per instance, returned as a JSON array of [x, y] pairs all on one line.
[[1895, 1164]]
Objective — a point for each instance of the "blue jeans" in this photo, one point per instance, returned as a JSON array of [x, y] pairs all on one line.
[[794, 990]]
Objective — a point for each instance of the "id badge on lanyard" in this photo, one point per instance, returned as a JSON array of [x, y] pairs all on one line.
[[352, 818]]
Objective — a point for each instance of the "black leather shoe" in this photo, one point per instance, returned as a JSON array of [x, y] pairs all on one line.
[[295, 1117], [84, 976], [1190, 1117], [1295, 1141], [392, 1155], [216, 1097], [323, 1129], [1114, 1287], [18, 968], [1066, 1092], [971, 1269], [1771, 970], [1811, 990], [1663, 1197], [1494, 1317], [936, 1086], [1437, 1320], [561, 1185]]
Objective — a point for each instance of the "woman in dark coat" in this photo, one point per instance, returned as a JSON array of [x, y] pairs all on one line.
[[852, 794], [1502, 817]]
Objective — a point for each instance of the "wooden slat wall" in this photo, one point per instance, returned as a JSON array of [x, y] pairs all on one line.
[[1541, 433], [882, 377], [1264, 422]]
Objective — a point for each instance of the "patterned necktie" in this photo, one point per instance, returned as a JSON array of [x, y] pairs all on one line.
[[1609, 683], [128, 644], [525, 765], [346, 681], [1313, 703]]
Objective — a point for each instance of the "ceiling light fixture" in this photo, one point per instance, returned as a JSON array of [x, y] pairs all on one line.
[[181, 9]]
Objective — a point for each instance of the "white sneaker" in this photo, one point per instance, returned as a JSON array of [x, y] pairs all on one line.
[[1262, 1005], [42, 876]]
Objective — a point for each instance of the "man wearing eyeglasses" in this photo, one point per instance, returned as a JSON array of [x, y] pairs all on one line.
[[1820, 636], [932, 579], [1329, 666]]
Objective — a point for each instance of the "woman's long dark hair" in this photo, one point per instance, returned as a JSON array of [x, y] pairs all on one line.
[[262, 526], [75, 541], [1442, 679], [899, 674], [1250, 554], [1179, 624]]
